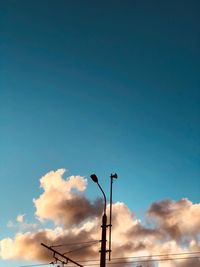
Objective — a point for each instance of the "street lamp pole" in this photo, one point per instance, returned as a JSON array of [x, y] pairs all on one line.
[[104, 220], [104, 226]]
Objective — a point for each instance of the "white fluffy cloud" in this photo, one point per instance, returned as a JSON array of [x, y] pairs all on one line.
[[176, 226]]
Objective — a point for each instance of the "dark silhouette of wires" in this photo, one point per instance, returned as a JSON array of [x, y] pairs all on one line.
[[82, 247], [158, 255], [142, 261], [42, 264], [74, 244], [136, 260], [146, 256]]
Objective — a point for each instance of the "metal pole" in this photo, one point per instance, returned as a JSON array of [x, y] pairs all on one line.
[[103, 241], [104, 221], [110, 226], [103, 233], [112, 176]]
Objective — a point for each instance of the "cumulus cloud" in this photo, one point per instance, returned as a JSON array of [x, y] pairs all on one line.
[[178, 219], [62, 201], [175, 227]]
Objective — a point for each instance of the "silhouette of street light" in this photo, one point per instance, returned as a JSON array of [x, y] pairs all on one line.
[[104, 225], [104, 220], [95, 180]]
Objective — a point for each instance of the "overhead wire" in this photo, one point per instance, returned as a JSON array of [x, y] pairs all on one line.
[[127, 260], [148, 256], [41, 264], [158, 255], [80, 248], [142, 261], [77, 243]]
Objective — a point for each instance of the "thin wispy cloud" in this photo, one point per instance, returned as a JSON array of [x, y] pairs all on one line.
[[22, 224]]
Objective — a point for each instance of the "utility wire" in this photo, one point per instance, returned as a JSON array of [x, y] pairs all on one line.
[[80, 248], [42, 264], [148, 256], [142, 261], [158, 255], [154, 260], [72, 244], [135, 257]]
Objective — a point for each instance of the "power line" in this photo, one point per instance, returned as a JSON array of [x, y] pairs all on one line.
[[134, 257], [143, 261], [158, 255], [149, 256], [42, 264], [72, 244], [63, 256], [154, 260], [83, 247]]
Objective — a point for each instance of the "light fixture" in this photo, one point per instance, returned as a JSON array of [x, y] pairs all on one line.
[[94, 178]]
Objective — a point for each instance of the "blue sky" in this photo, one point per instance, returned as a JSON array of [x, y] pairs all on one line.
[[99, 87]]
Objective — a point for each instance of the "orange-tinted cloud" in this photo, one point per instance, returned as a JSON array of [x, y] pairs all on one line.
[[175, 226], [62, 200], [178, 219]]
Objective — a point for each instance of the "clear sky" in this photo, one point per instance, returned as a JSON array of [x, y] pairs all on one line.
[[99, 87]]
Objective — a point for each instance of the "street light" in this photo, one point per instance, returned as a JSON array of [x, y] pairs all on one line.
[[104, 225], [104, 220]]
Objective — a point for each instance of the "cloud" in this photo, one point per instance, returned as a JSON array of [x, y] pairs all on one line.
[[174, 227], [10, 224], [178, 219], [62, 201], [27, 245], [21, 224], [20, 218]]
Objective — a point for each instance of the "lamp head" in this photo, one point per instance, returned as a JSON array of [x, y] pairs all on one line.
[[114, 175], [94, 178]]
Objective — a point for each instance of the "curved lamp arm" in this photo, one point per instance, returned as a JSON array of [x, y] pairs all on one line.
[[95, 180], [103, 196]]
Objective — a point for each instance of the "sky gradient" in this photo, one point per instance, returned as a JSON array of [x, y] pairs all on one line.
[[99, 87]]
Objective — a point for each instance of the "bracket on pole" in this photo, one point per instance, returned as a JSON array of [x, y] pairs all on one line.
[[62, 255]]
